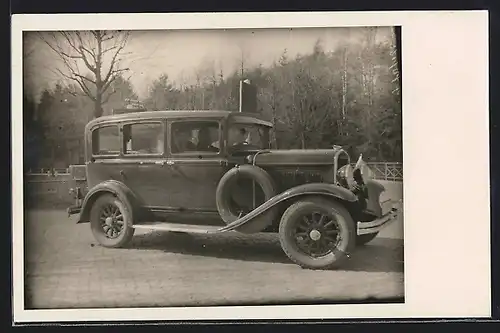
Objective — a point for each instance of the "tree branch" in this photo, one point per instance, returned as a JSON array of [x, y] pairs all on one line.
[[112, 71], [109, 49], [85, 49], [79, 50], [110, 80], [82, 85], [111, 93]]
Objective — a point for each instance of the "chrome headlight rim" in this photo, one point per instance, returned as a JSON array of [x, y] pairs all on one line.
[[346, 173]]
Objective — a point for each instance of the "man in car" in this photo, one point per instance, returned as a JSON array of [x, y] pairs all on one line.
[[237, 136], [182, 138]]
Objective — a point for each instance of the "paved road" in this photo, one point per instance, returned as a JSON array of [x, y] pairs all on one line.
[[65, 269]]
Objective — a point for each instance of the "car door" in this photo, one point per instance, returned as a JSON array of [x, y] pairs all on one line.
[[142, 164], [196, 163], [104, 151]]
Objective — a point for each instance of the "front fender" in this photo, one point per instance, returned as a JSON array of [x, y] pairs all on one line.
[[120, 190], [374, 191], [322, 189]]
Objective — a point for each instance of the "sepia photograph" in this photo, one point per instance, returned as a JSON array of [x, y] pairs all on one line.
[[212, 167], [216, 167]]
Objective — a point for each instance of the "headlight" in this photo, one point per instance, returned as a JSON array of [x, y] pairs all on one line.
[[344, 176]]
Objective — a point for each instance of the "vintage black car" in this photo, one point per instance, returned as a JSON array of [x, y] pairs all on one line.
[[216, 171]]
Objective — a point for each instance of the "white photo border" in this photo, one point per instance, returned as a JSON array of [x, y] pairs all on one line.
[[446, 162]]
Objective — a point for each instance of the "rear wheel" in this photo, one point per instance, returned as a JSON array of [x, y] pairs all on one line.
[[111, 221], [317, 233]]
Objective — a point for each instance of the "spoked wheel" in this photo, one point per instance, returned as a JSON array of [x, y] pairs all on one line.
[[317, 233], [111, 221]]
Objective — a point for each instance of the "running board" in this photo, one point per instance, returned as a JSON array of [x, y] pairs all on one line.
[[188, 228]]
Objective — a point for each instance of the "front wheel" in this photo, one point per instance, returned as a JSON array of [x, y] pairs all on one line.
[[317, 233], [111, 221]]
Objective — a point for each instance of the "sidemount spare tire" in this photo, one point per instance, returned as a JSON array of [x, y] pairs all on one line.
[[224, 197]]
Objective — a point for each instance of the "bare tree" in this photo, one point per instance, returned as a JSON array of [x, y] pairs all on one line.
[[368, 66], [242, 64], [98, 51], [395, 65]]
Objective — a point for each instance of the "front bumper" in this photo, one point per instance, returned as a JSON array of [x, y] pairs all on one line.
[[378, 224]]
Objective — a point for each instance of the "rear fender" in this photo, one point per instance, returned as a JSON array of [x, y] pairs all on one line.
[[312, 189], [116, 188]]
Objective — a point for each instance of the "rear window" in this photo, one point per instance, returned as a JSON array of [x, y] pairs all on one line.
[[143, 138], [106, 141]]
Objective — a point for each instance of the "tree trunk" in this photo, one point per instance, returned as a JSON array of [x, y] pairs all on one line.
[[344, 84], [273, 131], [98, 111]]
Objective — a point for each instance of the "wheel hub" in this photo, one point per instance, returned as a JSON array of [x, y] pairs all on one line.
[[315, 235], [109, 220]]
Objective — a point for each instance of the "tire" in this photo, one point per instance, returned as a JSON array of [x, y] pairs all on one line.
[[334, 221], [365, 239], [117, 234], [262, 179]]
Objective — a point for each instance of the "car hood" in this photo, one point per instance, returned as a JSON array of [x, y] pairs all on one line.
[[296, 157]]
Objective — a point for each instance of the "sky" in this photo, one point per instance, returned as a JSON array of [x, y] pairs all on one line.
[[179, 53]]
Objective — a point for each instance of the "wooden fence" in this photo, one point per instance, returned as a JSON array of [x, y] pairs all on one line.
[[387, 170]]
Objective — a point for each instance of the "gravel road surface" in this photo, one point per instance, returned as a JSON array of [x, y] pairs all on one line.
[[65, 268]]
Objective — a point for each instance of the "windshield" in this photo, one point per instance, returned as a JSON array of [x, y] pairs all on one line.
[[248, 136]]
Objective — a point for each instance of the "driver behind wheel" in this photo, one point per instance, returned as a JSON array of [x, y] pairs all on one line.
[[237, 136]]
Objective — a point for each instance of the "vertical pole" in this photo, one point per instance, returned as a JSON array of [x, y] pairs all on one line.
[[241, 95]]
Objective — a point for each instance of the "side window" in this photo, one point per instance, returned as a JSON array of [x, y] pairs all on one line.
[[106, 141], [143, 138], [195, 136]]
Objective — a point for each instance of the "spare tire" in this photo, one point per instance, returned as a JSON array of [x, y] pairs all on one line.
[[225, 197]]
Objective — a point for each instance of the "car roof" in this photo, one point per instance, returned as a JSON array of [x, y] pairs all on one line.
[[251, 117]]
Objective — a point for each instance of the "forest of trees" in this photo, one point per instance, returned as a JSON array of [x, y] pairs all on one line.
[[349, 97]]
